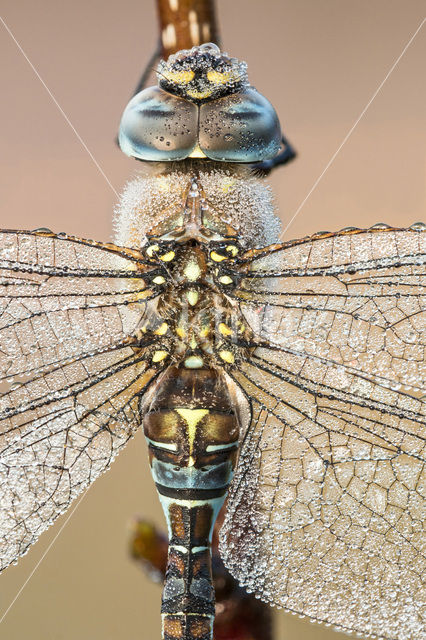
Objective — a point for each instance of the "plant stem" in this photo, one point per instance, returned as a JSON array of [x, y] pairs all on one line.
[[185, 24]]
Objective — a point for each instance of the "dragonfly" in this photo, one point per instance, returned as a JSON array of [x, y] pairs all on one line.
[[286, 378]]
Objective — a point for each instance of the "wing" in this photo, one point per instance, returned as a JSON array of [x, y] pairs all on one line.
[[326, 512], [72, 370], [356, 298]]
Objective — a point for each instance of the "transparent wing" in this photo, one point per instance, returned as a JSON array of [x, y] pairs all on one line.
[[71, 373], [327, 509], [356, 298]]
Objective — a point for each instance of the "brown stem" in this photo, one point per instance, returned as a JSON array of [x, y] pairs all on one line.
[[185, 24]]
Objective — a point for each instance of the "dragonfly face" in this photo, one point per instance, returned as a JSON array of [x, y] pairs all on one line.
[[202, 73], [291, 373]]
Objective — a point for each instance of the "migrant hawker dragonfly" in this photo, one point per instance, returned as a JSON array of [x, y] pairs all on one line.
[[289, 372]]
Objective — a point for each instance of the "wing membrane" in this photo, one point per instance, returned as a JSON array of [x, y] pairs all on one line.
[[72, 372], [326, 512], [355, 298]]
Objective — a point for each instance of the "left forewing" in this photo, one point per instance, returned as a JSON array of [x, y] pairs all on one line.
[[72, 371]]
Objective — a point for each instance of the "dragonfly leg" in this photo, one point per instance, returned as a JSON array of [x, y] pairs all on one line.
[[287, 154]]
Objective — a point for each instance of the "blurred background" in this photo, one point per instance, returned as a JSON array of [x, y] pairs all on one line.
[[319, 63]]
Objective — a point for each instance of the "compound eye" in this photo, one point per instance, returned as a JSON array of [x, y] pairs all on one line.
[[158, 126], [241, 127]]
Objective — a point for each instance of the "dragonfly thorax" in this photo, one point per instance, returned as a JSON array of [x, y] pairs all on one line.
[[198, 199], [196, 323]]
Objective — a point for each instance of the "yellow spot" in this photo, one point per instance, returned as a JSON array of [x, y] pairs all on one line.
[[197, 153], [159, 280], [192, 297], [181, 332], [227, 183], [217, 257], [152, 249], [232, 249], [192, 271], [193, 362], [167, 257], [225, 280], [241, 328], [225, 330], [199, 95], [227, 356], [215, 77], [159, 356], [162, 329], [192, 417], [193, 343], [142, 295], [143, 329], [179, 77], [204, 332]]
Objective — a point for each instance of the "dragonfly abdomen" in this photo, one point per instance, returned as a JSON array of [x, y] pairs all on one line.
[[192, 433]]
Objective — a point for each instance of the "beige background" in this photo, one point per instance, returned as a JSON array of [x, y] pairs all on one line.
[[319, 62]]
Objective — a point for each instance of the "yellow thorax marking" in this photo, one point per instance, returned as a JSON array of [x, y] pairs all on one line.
[[192, 417], [150, 251], [192, 270], [192, 297], [162, 329], [232, 249], [193, 362], [227, 356], [180, 332], [167, 257], [159, 356], [217, 257], [225, 330]]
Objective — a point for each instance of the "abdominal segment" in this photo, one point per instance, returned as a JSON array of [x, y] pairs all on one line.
[[192, 433]]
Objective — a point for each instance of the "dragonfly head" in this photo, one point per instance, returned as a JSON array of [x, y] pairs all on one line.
[[203, 108], [202, 73]]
